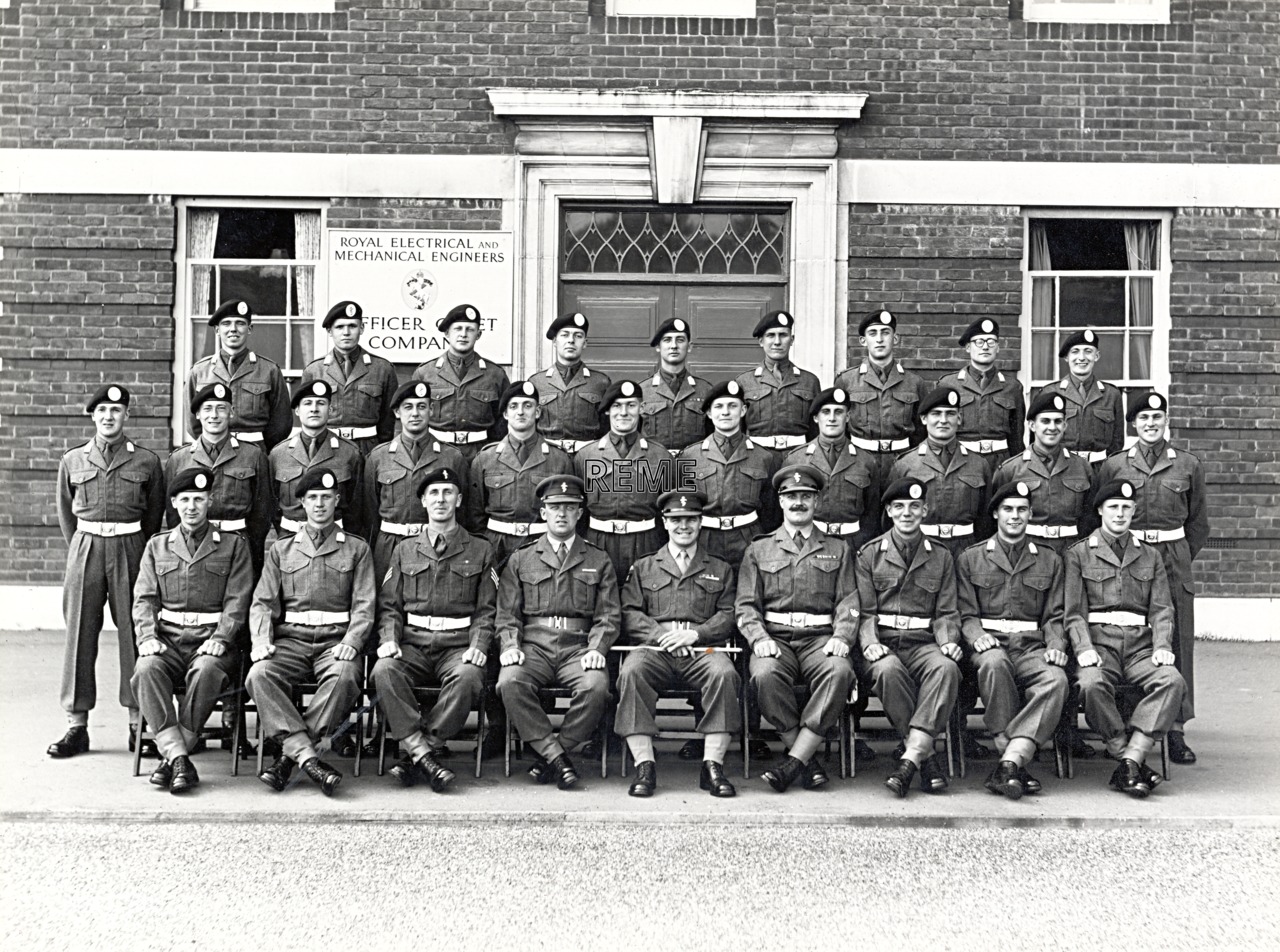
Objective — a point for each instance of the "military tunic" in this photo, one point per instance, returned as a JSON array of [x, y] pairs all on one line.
[[241, 490], [359, 403], [464, 408], [845, 509], [622, 498], [779, 418], [260, 411], [990, 414], [882, 415], [501, 503], [570, 411], [1097, 580], [1021, 692], [956, 494], [97, 501], [1095, 420], [289, 462], [657, 598], [739, 490], [392, 509], [1060, 492], [675, 418]]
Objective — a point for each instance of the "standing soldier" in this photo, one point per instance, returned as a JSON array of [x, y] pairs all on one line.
[[1010, 598], [558, 613], [110, 502], [240, 495], [884, 398], [435, 626], [311, 615], [991, 404], [1095, 414], [569, 391], [1120, 620], [843, 504], [1171, 517], [778, 391], [677, 606], [910, 633], [1060, 483], [501, 500], [259, 397], [189, 606], [361, 385], [316, 445], [464, 386], [624, 474], [672, 409], [391, 509]]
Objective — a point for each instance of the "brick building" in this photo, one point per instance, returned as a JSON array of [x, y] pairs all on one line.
[[1046, 162]]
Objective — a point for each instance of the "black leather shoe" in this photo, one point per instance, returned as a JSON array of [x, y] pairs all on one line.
[[344, 745], [1127, 778], [540, 770], [900, 780], [862, 752], [565, 774], [439, 777], [783, 774], [1149, 776], [692, 750], [899, 752], [590, 750], [277, 775], [389, 744], [403, 771], [323, 774], [149, 748], [712, 778], [646, 779], [1081, 749], [1179, 752], [1029, 783], [814, 776], [973, 750], [184, 775], [162, 776], [1004, 781], [74, 741], [759, 749], [933, 779]]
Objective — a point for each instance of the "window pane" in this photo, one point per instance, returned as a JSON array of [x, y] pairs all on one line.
[[1042, 302], [302, 345], [202, 289], [263, 286], [255, 233], [203, 339], [1140, 355], [1044, 356], [268, 340], [1110, 365], [1091, 302], [1086, 244]]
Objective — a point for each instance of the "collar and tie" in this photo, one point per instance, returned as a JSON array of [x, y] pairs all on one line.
[[944, 451]]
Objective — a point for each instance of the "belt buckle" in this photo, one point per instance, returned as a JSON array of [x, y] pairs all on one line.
[[900, 622], [189, 620], [344, 432], [886, 446], [835, 528], [1052, 532], [798, 620], [1150, 536], [619, 525], [726, 522], [984, 446], [944, 531], [522, 529], [558, 621], [461, 436], [108, 528], [436, 623]]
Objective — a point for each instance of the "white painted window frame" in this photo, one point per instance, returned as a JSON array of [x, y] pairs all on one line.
[[256, 6], [1114, 11], [721, 9]]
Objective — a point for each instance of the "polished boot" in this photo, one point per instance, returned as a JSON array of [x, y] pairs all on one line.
[[323, 774], [149, 748], [712, 778], [1127, 778], [162, 776], [646, 779], [1149, 776], [184, 775], [783, 774], [344, 745], [862, 752], [564, 772], [1004, 780], [277, 775], [1179, 752], [692, 750], [759, 749], [814, 776], [900, 780], [972, 749], [439, 777], [1029, 783], [403, 770], [74, 741], [933, 779], [540, 770]]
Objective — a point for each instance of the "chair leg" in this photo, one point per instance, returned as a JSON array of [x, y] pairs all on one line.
[[137, 747], [506, 753], [955, 742], [950, 749], [237, 731], [1164, 758], [257, 717], [604, 745], [480, 725], [379, 741]]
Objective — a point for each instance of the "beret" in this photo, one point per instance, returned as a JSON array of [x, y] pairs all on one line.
[[782, 319], [1014, 489], [213, 391], [343, 309], [109, 393], [672, 325], [832, 396], [520, 388], [1115, 489], [881, 316], [1046, 401], [413, 390], [980, 327], [944, 397], [798, 477], [318, 478], [727, 388], [466, 313], [618, 390], [231, 309], [441, 474], [1145, 401], [1078, 338], [312, 388], [576, 320], [906, 488], [196, 478]]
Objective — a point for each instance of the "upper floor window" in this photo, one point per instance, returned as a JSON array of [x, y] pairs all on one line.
[[1096, 11], [259, 6], [681, 8]]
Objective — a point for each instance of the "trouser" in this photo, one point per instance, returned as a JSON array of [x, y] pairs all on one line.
[[1161, 685], [460, 683], [100, 571], [504, 544], [298, 660], [1177, 564], [802, 660], [916, 684], [728, 544], [645, 673], [1022, 694], [205, 679], [560, 663], [624, 549]]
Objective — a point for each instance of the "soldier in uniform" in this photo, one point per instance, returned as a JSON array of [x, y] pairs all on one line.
[[991, 405], [1060, 482], [778, 391], [843, 504], [797, 607], [734, 473], [1010, 596], [910, 633], [110, 502], [569, 391], [558, 613], [189, 606], [883, 399], [672, 408], [390, 508], [315, 444], [624, 473], [311, 616], [676, 604], [435, 626], [240, 497], [501, 501], [464, 386], [259, 397], [1120, 620], [360, 384], [1095, 413], [1171, 517]]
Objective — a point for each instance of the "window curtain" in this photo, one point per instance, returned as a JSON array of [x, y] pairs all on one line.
[[1142, 247], [306, 248], [1044, 346], [202, 237]]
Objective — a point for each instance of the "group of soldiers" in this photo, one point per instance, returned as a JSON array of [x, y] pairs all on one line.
[[877, 530]]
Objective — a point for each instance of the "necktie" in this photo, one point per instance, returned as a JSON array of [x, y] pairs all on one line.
[[415, 451], [562, 552], [833, 454], [682, 562], [522, 452], [311, 447], [439, 544], [946, 453], [109, 453]]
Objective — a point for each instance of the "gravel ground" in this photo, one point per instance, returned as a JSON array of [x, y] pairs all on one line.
[[215, 886]]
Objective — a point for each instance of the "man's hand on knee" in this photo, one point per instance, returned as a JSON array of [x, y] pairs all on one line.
[[152, 646], [1161, 658], [985, 643], [262, 652], [390, 649], [213, 648], [1056, 658], [475, 656], [1088, 659], [343, 652], [952, 651], [765, 648], [592, 661], [874, 652], [511, 656], [836, 647]]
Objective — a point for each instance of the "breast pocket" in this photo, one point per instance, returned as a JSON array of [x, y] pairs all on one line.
[[418, 580], [659, 594], [708, 593], [463, 585], [366, 402], [337, 574], [822, 579], [537, 584], [86, 487], [393, 487], [500, 490], [237, 489], [251, 399], [293, 577], [776, 579], [133, 488], [171, 582], [925, 588], [902, 408], [585, 582]]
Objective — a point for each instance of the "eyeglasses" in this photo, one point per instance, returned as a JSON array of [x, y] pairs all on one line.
[[986, 343]]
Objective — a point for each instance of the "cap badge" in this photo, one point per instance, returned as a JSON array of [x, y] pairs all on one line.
[[915, 492], [470, 312], [420, 390], [528, 389], [327, 480], [113, 394], [796, 478], [733, 387], [351, 310], [1058, 403], [839, 396], [201, 481], [678, 325], [579, 320], [784, 319], [220, 391], [242, 309], [1022, 489], [320, 389], [1126, 490], [628, 389], [952, 398], [684, 500], [988, 327], [1090, 337], [886, 317], [445, 474], [1153, 402], [564, 487]]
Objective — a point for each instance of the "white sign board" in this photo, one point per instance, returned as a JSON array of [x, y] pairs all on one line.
[[407, 280]]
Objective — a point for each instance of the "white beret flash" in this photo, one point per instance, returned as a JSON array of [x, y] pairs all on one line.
[[319, 388], [114, 394], [220, 391], [471, 312], [579, 320], [988, 327], [242, 309], [1153, 402], [916, 491], [1126, 490], [1059, 403], [420, 390], [952, 398], [528, 389], [734, 387], [1023, 490], [351, 310], [839, 396], [201, 481], [327, 481], [628, 389], [678, 325]]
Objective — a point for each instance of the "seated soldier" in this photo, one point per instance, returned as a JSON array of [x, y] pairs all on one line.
[[1119, 618], [558, 613], [312, 613], [910, 633], [189, 604], [677, 608], [1010, 595], [797, 607], [435, 623]]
